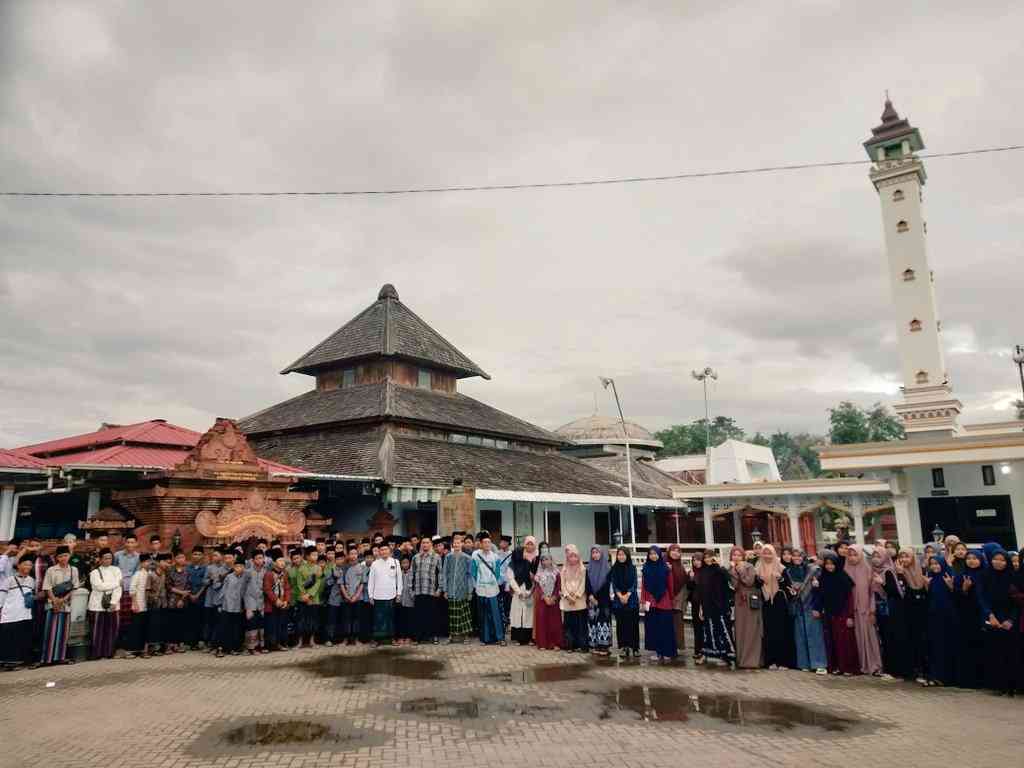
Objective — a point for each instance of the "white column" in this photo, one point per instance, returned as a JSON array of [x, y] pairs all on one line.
[[737, 527], [906, 530], [793, 513], [857, 513], [709, 526], [93, 507], [7, 513]]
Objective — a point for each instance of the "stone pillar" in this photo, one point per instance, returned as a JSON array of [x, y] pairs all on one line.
[[793, 512], [857, 513], [737, 527], [7, 521], [709, 526]]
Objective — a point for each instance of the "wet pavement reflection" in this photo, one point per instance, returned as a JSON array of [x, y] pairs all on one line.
[[358, 667], [656, 703]]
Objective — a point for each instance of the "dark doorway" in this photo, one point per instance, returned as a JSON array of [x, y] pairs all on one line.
[[421, 521], [975, 519]]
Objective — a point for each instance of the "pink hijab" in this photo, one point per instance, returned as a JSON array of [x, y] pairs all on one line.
[[861, 574], [529, 556], [769, 571], [573, 572]]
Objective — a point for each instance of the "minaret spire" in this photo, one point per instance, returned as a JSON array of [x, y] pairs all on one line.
[[897, 173]]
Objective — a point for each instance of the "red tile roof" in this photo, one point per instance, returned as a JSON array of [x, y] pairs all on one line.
[[149, 444], [153, 432], [15, 460]]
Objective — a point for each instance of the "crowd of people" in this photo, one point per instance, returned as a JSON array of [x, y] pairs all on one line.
[[950, 617]]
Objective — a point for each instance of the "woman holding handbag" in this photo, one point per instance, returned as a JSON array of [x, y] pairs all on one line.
[[748, 617], [104, 605]]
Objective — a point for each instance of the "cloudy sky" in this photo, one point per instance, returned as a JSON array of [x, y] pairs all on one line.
[[127, 309]]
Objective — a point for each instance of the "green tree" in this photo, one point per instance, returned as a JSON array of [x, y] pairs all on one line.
[[884, 425], [1019, 405], [795, 455], [850, 423], [847, 424], [682, 439]]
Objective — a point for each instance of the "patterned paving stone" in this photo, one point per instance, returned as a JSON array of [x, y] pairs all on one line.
[[177, 711]]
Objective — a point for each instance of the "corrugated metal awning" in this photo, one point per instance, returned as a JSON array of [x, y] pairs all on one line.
[[400, 493], [493, 494]]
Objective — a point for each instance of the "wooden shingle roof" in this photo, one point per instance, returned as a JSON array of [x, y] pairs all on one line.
[[386, 328], [422, 462], [390, 401]]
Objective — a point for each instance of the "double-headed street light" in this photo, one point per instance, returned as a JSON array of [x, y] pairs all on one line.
[[606, 382], [703, 376], [1018, 358]]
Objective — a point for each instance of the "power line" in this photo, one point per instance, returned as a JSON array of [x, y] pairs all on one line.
[[498, 187]]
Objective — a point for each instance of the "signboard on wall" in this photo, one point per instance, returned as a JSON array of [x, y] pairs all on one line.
[[456, 511]]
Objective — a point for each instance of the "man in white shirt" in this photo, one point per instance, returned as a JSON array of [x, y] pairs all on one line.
[[384, 587]]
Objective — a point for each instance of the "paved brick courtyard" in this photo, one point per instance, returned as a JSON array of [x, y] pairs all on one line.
[[470, 705]]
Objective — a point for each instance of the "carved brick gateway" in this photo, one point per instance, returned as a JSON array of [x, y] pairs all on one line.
[[219, 493]]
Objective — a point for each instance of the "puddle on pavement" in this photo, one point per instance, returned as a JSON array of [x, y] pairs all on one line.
[[474, 708], [548, 673], [653, 703], [279, 732], [390, 663], [284, 734]]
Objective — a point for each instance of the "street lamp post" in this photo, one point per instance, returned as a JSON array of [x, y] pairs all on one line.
[[1018, 358], [605, 382], [703, 376]]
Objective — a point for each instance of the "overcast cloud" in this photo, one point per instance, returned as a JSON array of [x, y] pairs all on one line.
[[127, 309]]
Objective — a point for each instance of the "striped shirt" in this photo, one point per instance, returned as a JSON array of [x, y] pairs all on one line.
[[426, 573]]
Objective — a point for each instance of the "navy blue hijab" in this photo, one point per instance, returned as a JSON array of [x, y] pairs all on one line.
[[655, 574]]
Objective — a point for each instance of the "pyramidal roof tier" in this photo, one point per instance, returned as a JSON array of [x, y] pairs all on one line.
[[386, 328], [893, 128]]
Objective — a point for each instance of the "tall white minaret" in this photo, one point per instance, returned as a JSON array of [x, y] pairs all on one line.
[[928, 408]]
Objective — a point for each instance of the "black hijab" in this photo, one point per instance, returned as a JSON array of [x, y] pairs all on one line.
[[523, 569], [623, 575], [835, 586]]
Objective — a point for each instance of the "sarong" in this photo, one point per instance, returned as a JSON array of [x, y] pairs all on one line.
[[104, 633], [460, 618], [383, 619], [55, 637]]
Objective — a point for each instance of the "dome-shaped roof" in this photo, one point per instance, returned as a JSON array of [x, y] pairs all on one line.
[[606, 429]]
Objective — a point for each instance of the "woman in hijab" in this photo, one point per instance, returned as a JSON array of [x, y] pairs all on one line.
[[864, 619], [599, 602], [680, 593], [778, 628], [913, 586], [547, 593], [625, 603], [519, 576], [697, 562], [889, 614], [835, 588], [1000, 613], [805, 608], [958, 561], [942, 623], [970, 640], [713, 588], [748, 600], [574, 601], [656, 596]]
